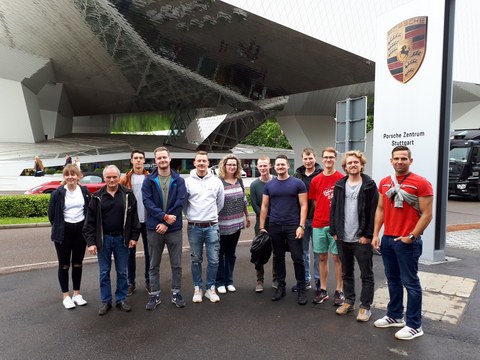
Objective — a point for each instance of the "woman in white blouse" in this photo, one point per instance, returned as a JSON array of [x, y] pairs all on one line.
[[67, 210]]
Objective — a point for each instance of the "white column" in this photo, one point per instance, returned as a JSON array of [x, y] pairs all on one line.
[[302, 131], [20, 113], [56, 113]]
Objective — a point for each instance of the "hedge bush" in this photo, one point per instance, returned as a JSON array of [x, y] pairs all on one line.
[[24, 206]]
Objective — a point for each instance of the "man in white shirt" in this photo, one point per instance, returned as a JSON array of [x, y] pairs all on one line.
[[205, 198]]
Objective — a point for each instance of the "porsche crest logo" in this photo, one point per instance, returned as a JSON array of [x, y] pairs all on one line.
[[406, 46]]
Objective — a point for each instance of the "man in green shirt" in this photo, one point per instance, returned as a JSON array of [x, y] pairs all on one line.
[[256, 194]]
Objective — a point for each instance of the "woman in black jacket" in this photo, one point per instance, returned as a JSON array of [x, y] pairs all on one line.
[[67, 211]]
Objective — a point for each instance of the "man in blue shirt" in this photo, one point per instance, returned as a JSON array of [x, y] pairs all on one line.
[[288, 201]]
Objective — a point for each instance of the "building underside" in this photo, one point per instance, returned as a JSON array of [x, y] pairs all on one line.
[[72, 67], [196, 59]]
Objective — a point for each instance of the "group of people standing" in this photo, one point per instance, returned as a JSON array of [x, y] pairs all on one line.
[[343, 215], [111, 221], [338, 214]]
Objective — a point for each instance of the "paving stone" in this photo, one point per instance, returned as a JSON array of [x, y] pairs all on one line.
[[466, 239], [444, 296]]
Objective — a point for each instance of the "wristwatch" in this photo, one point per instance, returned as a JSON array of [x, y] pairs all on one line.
[[302, 226], [412, 237]]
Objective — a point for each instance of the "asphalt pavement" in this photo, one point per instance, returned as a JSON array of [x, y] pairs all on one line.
[[244, 324]]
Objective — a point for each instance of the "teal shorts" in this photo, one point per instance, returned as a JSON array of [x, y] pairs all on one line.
[[323, 242]]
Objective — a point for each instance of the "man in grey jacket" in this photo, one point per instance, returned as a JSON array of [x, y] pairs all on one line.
[[352, 215], [204, 200]]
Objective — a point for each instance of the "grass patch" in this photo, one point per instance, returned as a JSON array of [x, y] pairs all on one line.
[[29, 220]]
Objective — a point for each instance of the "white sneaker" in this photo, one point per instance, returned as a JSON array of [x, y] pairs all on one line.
[[389, 322], [212, 295], [222, 290], [79, 300], [231, 288], [197, 296], [68, 303], [407, 333]]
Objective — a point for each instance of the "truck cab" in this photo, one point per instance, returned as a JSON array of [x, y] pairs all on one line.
[[464, 163]]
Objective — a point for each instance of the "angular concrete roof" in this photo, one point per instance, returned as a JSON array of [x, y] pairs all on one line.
[[134, 56]]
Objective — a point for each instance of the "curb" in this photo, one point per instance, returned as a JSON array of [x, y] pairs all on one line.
[[24, 226], [462, 227], [86, 260]]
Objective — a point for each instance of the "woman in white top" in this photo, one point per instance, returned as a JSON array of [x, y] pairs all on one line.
[[67, 210]]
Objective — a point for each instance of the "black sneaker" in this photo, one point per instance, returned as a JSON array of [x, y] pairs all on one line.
[[294, 288], [302, 297], [123, 306], [278, 294], [131, 289], [320, 296], [103, 309], [153, 302], [178, 300], [339, 298]]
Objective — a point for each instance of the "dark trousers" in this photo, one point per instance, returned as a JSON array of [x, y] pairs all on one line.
[[348, 252], [227, 258], [71, 250], [283, 237], [132, 261]]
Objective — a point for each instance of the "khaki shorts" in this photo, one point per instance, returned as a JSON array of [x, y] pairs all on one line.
[[323, 242]]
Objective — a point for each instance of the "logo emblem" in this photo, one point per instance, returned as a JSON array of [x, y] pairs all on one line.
[[406, 46]]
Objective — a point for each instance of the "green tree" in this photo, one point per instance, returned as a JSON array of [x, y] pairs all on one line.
[[268, 134], [370, 105]]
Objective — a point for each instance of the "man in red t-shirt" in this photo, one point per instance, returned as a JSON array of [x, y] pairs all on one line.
[[405, 210], [321, 192]]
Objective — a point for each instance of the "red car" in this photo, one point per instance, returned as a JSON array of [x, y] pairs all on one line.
[[92, 182]]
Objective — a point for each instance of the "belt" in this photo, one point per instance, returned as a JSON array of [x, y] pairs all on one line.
[[203, 224], [113, 233]]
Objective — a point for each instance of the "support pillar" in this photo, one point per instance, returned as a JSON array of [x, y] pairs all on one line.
[[20, 112]]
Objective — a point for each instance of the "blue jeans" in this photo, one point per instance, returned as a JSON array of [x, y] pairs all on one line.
[[197, 236], [401, 269], [348, 252], [132, 261], [157, 243], [307, 238], [283, 236], [227, 258], [115, 245]]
